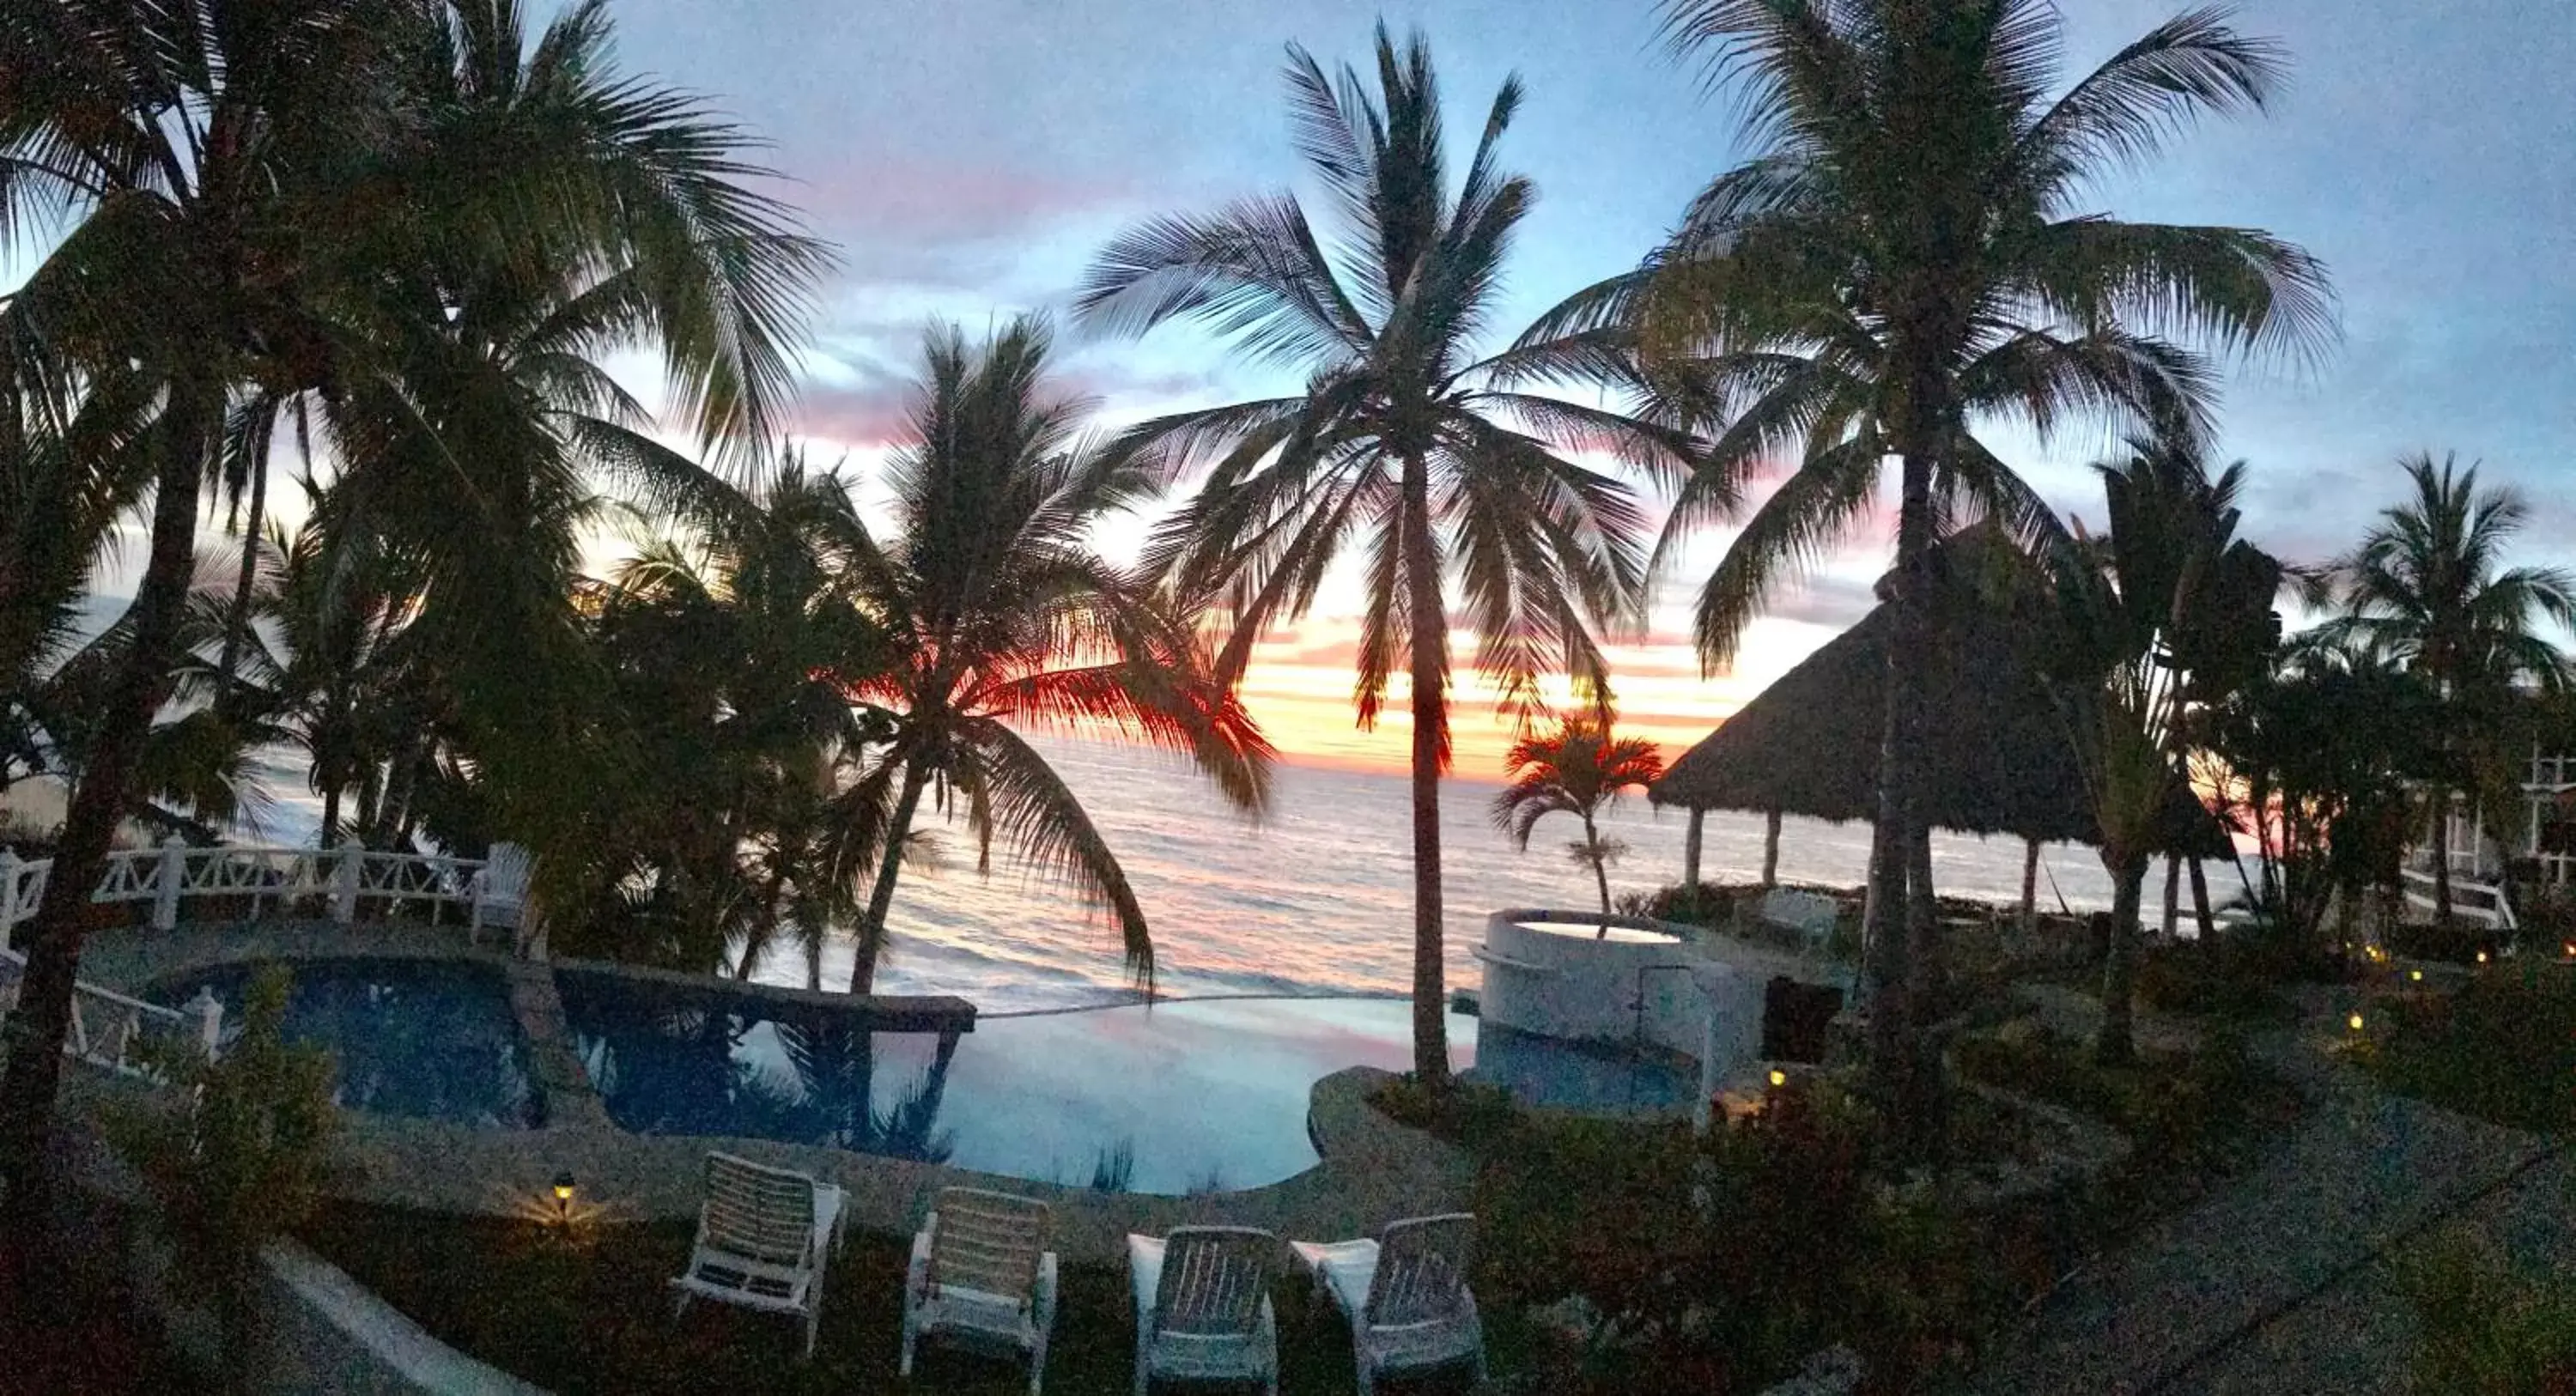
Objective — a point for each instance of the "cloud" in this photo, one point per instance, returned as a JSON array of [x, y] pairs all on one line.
[[1833, 601], [865, 405]]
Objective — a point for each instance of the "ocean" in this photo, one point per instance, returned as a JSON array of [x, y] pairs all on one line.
[[1315, 898]]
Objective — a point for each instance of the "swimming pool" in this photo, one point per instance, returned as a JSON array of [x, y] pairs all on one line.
[[423, 1039], [1182, 1096]]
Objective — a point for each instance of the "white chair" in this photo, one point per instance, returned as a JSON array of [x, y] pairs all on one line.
[[1405, 1295], [498, 890], [1203, 1306], [981, 1270], [764, 1235]]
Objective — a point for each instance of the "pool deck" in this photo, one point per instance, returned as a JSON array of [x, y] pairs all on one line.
[[1372, 1170]]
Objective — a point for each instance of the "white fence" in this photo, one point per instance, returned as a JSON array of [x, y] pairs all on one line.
[[109, 1028], [340, 878], [2476, 901]]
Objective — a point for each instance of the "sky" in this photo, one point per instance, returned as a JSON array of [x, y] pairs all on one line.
[[968, 157]]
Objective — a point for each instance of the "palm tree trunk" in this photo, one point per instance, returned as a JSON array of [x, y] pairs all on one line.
[[2030, 887], [1600, 872], [52, 943], [2200, 913], [1922, 922], [2442, 858], [237, 620], [329, 836], [1894, 1077], [872, 927], [1426, 621], [2173, 895], [1771, 848], [2116, 1044]]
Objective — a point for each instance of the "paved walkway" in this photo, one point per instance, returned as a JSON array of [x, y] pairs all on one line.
[[2279, 1282]]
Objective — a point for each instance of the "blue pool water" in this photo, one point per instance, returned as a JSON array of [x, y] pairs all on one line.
[[1180, 1096], [1177, 1097], [423, 1039]]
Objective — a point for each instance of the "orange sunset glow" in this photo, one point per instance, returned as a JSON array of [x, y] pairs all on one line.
[[1300, 688]]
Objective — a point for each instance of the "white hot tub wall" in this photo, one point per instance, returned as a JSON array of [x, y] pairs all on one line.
[[1583, 989]]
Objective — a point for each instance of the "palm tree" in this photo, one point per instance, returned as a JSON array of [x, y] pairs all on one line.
[[2427, 589], [256, 198], [1580, 769], [1407, 446], [1904, 262], [2173, 616], [1000, 615], [732, 662]]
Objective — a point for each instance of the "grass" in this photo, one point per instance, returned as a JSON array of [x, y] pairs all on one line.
[[586, 1310], [2501, 1049]]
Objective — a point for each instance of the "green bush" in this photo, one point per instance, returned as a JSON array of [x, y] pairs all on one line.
[[2486, 1328], [2503, 1048], [244, 1164], [1720, 1265], [2227, 978], [1706, 904], [2195, 1110]]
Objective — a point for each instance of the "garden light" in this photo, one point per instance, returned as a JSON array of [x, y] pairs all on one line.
[[2415, 974], [2482, 957], [563, 1196], [1779, 1078], [2354, 1021]]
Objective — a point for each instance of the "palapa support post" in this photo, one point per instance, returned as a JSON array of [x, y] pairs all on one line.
[[167, 879]]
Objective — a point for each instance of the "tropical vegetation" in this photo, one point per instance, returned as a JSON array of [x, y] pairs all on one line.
[[1579, 769], [322, 303], [1415, 447], [1908, 259]]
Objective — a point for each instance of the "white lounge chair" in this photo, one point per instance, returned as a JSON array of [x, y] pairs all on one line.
[[1203, 1306], [498, 890], [981, 1270], [764, 1235], [1405, 1294]]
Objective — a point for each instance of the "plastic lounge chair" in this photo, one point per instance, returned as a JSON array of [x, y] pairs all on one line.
[[981, 1270], [1405, 1294], [763, 1237], [499, 890], [1203, 1306]]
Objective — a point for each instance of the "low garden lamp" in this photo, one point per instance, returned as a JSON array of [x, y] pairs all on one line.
[[563, 1195]]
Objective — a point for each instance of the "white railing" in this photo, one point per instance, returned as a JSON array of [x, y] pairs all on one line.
[[341, 878], [2478, 901], [110, 1029]]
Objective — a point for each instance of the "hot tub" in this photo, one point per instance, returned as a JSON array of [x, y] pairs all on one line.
[[1582, 977]]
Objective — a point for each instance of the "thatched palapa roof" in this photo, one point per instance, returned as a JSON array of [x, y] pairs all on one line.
[[2000, 760]]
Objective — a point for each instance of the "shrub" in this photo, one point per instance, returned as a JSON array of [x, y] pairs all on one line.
[[1707, 904], [1721, 1264], [2487, 1328], [2503, 1048], [2228, 978], [245, 1163], [2193, 1110]]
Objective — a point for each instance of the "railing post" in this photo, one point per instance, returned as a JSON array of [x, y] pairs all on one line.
[[207, 1012], [167, 881], [344, 881], [8, 895]]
